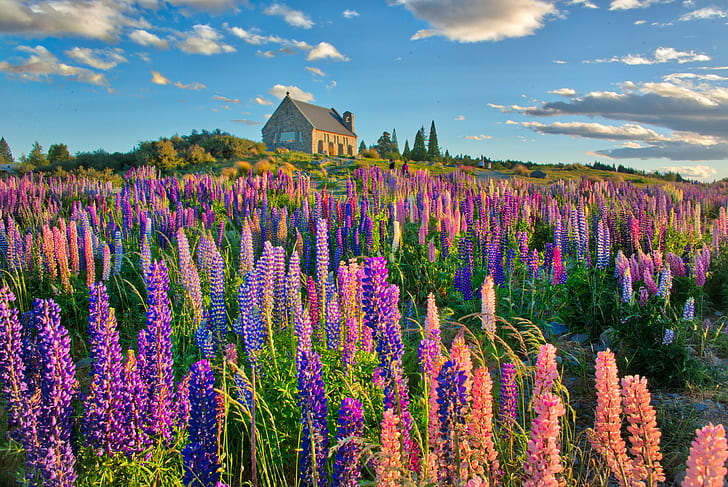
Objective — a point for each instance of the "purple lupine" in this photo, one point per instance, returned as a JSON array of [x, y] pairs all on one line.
[[103, 405], [182, 403], [20, 409], [158, 364], [135, 400], [55, 458], [251, 323], [200, 458], [689, 310], [452, 401], [508, 398], [322, 261], [668, 337], [347, 465], [333, 317], [313, 406]]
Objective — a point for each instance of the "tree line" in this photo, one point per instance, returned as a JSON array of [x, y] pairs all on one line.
[[176, 152]]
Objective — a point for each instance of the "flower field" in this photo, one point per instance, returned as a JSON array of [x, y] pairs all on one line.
[[388, 329]]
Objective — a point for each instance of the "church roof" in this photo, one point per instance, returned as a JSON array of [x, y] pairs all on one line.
[[326, 119]]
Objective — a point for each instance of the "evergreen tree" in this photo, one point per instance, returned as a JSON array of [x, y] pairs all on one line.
[[362, 147], [419, 151], [36, 156], [5, 155], [433, 149], [395, 143], [406, 153], [58, 153], [385, 147]]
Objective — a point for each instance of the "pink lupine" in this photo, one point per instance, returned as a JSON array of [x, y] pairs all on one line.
[[607, 437], [644, 435], [488, 298], [480, 427], [546, 373], [543, 460], [389, 467], [708, 455]]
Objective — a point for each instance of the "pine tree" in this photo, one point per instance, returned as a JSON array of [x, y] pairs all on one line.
[[433, 149], [395, 143], [6, 156], [362, 147], [406, 153], [385, 147], [419, 151]]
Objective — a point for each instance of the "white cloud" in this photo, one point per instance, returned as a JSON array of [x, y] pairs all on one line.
[[640, 22], [331, 85], [630, 4], [144, 38], [478, 137], [296, 18], [103, 59], [247, 122], [559, 61], [225, 99], [41, 64], [206, 5], [479, 20], [266, 54], [585, 3], [700, 171], [681, 77], [102, 19], [315, 70], [192, 86], [324, 50], [204, 40], [350, 14], [661, 55], [704, 13], [262, 101], [279, 91], [563, 92], [597, 131], [460, 117], [159, 79]]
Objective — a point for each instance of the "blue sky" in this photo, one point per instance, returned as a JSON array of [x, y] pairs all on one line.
[[642, 83]]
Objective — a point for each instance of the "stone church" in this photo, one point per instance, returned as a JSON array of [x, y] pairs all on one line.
[[304, 127]]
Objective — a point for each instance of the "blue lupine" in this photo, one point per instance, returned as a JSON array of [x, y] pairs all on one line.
[[627, 286], [332, 316], [118, 253], [451, 400], [217, 317], [205, 340], [200, 459], [347, 465], [312, 404], [689, 310], [665, 287]]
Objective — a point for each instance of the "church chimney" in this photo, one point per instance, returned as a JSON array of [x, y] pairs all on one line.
[[349, 120]]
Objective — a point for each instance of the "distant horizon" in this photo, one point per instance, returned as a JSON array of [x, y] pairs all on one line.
[[640, 83]]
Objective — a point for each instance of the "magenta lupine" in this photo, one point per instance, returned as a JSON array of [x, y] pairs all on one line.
[[157, 371], [103, 405], [55, 458], [430, 362], [73, 247], [200, 456], [347, 465], [106, 262], [182, 403], [313, 301], [543, 461]]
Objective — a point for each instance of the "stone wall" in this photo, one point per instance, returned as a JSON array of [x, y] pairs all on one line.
[[288, 119], [333, 144]]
